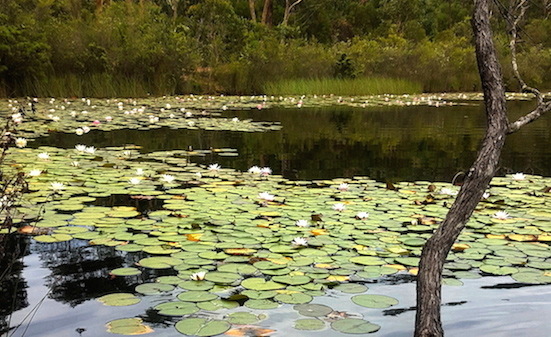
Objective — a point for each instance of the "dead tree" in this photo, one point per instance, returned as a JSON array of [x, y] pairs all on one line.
[[429, 280], [289, 5]]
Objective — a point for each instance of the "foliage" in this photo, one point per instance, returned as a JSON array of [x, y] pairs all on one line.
[[136, 48]]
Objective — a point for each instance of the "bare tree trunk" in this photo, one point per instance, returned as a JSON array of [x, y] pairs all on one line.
[[288, 8], [252, 10], [267, 12], [427, 321]]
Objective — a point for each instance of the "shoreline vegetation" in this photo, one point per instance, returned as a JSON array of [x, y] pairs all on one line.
[[110, 48]]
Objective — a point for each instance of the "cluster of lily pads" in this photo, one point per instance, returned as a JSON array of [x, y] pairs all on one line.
[[80, 116], [242, 243]]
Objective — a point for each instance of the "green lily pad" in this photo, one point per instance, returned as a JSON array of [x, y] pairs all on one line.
[[294, 298], [309, 324], [128, 326], [53, 238], [119, 299], [154, 288], [258, 283], [129, 271], [202, 327], [159, 262], [313, 310], [177, 308], [354, 326], [261, 304], [242, 317], [351, 288], [374, 301], [217, 305], [197, 296]]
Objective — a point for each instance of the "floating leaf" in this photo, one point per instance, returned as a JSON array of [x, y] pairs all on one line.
[[119, 299], [309, 324], [202, 327], [128, 326], [177, 308], [312, 310], [257, 283], [242, 317], [130, 271], [197, 296], [294, 298], [374, 301], [154, 288], [354, 326]]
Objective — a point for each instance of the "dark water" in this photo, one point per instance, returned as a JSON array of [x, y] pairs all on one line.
[[387, 143], [51, 290]]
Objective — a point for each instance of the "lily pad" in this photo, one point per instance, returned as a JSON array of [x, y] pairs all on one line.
[[176, 308], [309, 324], [374, 301], [128, 326], [313, 310], [202, 327], [119, 299], [354, 326]]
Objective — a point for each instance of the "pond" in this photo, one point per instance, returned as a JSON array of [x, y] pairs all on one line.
[[355, 272]]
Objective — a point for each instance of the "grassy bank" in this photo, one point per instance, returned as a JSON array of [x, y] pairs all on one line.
[[343, 87]]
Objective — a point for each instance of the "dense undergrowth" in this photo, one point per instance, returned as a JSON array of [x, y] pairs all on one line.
[[105, 48]]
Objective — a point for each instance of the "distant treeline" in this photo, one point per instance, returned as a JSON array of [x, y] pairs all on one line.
[[161, 47]]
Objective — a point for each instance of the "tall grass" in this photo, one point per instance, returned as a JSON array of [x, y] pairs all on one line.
[[96, 85], [343, 87]]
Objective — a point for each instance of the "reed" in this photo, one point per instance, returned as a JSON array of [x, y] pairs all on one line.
[[343, 87]]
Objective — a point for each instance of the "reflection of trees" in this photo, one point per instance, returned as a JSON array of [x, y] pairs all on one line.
[[81, 272], [398, 143], [13, 294]]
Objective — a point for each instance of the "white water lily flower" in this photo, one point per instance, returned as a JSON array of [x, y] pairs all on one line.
[[501, 215], [362, 215], [448, 191], [127, 153], [519, 176], [339, 207], [198, 276], [80, 148], [85, 128], [20, 142], [254, 170], [35, 173], [140, 171], [486, 195], [302, 223], [265, 171], [57, 186], [44, 155], [235, 119], [134, 181], [198, 175], [90, 149], [266, 196], [167, 178], [343, 187], [75, 163], [299, 241], [214, 167], [79, 131]]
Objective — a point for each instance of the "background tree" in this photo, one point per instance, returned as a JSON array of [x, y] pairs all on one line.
[[428, 322]]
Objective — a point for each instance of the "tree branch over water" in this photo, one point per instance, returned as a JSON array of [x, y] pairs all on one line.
[[429, 282]]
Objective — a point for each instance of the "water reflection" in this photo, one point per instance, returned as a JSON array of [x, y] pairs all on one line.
[[13, 287], [390, 143]]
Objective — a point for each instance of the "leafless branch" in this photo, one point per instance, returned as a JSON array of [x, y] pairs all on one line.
[[516, 13], [288, 8]]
